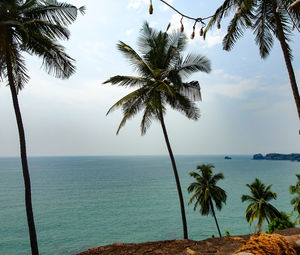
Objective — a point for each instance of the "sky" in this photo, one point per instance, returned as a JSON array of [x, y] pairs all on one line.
[[247, 105]]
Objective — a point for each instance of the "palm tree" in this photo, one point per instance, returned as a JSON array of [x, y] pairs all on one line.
[[259, 207], [206, 191], [267, 19], [161, 68], [33, 27], [295, 190]]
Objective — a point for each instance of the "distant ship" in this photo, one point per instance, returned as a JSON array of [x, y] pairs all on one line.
[[227, 157]]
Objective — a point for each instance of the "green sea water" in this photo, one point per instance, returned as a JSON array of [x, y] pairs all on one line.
[[83, 202]]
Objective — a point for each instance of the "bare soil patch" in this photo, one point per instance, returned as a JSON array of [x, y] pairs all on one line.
[[210, 246]]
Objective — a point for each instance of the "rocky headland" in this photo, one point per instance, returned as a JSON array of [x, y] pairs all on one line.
[[278, 156]]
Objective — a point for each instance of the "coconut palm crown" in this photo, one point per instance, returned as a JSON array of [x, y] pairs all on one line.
[[33, 27], [206, 192], [259, 207], [267, 19], [161, 69]]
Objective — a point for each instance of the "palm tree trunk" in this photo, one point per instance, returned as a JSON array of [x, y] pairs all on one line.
[[287, 58], [185, 232], [28, 203], [213, 212]]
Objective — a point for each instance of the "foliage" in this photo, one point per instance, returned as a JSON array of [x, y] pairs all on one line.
[[279, 223], [295, 190], [259, 207], [34, 27], [161, 68], [206, 191], [260, 18]]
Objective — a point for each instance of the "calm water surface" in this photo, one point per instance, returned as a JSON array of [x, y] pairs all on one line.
[[82, 202]]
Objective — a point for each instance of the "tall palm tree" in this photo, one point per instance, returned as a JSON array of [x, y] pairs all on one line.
[[161, 68], [33, 27], [206, 191], [295, 190], [259, 207], [267, 19]]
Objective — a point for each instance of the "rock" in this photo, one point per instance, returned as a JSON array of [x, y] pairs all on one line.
[[258, 156], [227, 157], [278, 156], [190, 251]]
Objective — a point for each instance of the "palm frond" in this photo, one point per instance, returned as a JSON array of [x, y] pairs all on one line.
[[130, 97], [55, 61], [184, 105], [127, 81], [135, 60], [224, 10], [53, 31], [191, 90], [193, 63], [263, 26], [236, 29], [55, 12], [148, 115], [286, 26], [145, 40]]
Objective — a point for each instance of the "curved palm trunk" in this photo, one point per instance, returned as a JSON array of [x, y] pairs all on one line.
[[287, 58], [29, 212], [213, 212], [185, 232]]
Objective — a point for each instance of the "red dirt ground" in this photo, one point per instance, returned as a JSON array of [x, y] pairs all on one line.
[[217, 246]]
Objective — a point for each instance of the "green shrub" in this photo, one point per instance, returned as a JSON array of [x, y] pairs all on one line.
[[227, 233], [280, 223]]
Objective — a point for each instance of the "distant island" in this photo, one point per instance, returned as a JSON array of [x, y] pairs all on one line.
[[278, 156]]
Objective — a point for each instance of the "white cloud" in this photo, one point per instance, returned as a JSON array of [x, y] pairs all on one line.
[[92, 51], [228, 85], [213, 38], [238, 90], [137, 3], [129, 32]]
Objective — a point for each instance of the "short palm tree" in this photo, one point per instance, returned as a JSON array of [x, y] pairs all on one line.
[[206, 191], [259, 207], [295, 190], [161, 68], [33, 27], [267, 19]]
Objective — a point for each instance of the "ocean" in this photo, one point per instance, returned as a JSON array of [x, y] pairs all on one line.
[[83, 202]]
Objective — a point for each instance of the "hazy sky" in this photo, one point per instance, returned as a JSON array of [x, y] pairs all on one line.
[[247, 104]]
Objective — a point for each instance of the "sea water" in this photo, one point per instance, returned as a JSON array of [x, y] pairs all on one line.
[[83, 202]]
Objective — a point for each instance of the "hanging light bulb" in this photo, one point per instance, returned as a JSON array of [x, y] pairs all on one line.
[[201, 31], [193, 35], [181, 27], [150, 8]]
